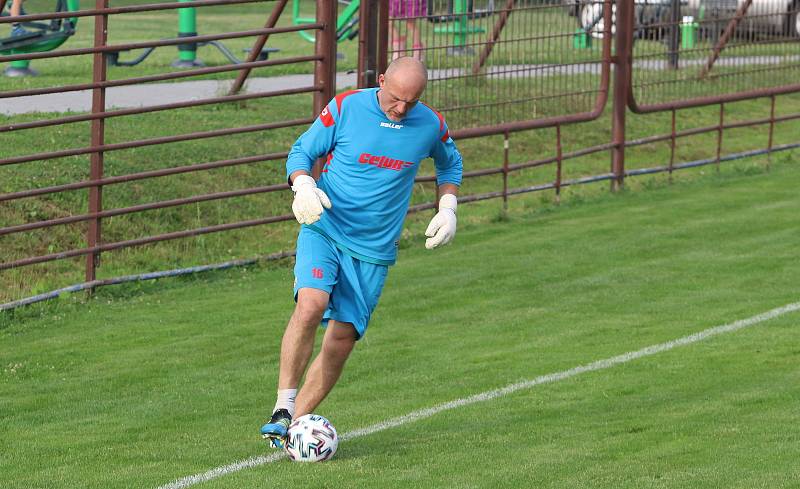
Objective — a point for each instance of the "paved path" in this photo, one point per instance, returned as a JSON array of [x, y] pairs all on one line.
[[155, 94], [165, 93]]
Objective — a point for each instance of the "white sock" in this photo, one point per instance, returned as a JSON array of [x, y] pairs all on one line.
[[286, 400]]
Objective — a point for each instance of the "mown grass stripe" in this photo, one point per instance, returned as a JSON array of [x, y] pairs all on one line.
[[503, 391]]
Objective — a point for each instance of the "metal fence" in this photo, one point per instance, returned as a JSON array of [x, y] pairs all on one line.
[[504, 66], [498, 68], [552, 62], [322, 88]]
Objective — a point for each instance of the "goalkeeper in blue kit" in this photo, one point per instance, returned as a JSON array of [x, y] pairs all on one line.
[[374, 140]]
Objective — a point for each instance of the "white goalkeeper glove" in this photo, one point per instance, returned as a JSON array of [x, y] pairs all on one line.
[[308, 200], [442, 228]]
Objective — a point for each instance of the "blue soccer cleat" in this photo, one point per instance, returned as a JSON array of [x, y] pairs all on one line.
[[278, 427]]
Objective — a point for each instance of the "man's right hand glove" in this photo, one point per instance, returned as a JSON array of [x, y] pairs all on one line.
[[308, 200]]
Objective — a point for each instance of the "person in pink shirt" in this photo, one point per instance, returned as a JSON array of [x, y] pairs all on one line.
[[411, 11]]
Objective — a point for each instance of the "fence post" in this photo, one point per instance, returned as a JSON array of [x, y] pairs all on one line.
[[368, 32], [622, 81], [325, 47], [383, 36], [559, 160], [93, 234], [672, 142], [771, 130], [505, 170], [720, 129], [325, 68], [674, 34]]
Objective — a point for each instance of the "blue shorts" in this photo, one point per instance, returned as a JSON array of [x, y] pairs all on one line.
[[354, 285]]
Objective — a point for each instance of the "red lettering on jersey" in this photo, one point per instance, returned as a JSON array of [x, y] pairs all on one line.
[[384, 162], [316, 272]]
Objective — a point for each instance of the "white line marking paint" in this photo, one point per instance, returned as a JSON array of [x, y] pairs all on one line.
[[493, 394]]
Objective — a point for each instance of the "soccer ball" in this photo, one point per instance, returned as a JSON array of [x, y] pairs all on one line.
[[311, 438]]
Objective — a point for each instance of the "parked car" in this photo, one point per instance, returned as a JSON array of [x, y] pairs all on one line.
[[651, 15], [764, 17]]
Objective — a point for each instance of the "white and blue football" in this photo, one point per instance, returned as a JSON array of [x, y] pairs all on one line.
[[311, 438]]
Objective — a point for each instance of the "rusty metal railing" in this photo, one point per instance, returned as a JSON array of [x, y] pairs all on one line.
[[497, 69], [322, 88], [720, 51], [505, 66], [657, 44]]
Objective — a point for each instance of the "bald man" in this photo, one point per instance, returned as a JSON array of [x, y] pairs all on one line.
[[374, 140]]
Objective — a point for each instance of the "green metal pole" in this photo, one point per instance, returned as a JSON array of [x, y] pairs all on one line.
[[20, 68], [460, 37], [187, 27], [73, 6], [459, 26], [21, 64]]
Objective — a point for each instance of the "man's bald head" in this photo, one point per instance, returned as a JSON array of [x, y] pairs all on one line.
[[407, 69], [401, 87]]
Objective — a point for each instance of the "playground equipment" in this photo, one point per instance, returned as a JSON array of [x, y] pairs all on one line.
[[43, 36], [187, 53], [346, 22], [457, 22]]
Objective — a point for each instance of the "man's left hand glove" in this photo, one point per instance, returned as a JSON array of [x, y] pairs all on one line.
[[442, 228]]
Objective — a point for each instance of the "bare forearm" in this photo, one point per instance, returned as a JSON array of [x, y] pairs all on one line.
[[448, 188]]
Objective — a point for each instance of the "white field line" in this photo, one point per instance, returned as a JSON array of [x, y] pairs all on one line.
[[493, 394]]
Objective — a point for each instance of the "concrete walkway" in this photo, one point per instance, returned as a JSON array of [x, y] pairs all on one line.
[[155, 94], [165, 93]]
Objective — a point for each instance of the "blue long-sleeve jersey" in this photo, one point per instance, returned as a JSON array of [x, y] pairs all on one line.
[[370, 169]]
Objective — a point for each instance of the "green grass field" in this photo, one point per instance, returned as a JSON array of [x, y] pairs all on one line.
[[146, 384]]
